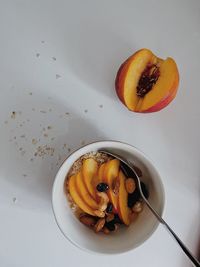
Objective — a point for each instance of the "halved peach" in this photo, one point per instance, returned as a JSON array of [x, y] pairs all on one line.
[[89, 171], [83, 192], [77, 198], [146, 83], [123, 209], [110, 174]]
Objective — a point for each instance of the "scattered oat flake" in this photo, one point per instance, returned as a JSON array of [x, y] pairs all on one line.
[[34, 141], [69, 149], [85, 110], [58, 76], [54, 58], [13, 115], [45, 135], [49, 127], [20, 149], [37, 54], [44, 151], [14, 200], [66, 113], [65, 145]]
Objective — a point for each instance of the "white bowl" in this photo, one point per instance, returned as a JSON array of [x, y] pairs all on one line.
[[127, 238]]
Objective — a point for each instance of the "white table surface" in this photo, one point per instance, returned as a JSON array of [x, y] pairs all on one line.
[[59, 57]]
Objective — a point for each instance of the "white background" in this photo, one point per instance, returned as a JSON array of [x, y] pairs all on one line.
[[62, 56]]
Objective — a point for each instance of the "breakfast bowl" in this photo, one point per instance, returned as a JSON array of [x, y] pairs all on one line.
[[127, 238]]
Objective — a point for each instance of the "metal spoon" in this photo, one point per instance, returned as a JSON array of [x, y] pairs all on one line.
[[130, 167]]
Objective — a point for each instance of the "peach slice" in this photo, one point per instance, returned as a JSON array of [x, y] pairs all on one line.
[[101, 173], [123, 209], [146, 83], [83, 192], [77, 198], [110, 174], [89, 171], [98, 178]]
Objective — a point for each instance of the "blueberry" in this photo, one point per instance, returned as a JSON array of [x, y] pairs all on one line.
[[102, 187], [144, 190], [109, 208], [135, 196], [127, 171], [110, 225], [117, 219]]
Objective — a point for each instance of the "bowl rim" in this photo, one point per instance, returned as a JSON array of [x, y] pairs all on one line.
[[153, 230]]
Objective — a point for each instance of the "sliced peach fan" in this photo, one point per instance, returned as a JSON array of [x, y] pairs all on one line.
[[77, 198], [110, 204], [146, 83]]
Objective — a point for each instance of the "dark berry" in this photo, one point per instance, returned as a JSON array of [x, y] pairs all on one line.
[[138, 171], [109, 208], [144, 190], [135, 196], [102, 187], [117, 219], [110, 226], [127, 171]]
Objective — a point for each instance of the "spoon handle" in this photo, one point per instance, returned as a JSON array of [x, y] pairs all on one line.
[[184, 248], [161, 220], [181, 244]]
